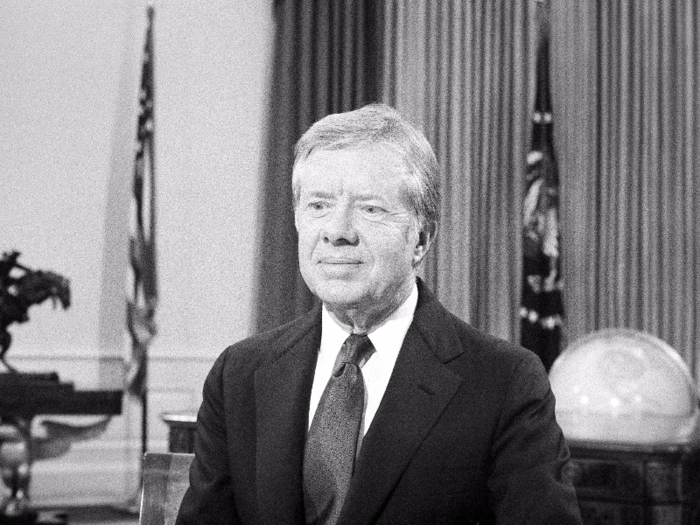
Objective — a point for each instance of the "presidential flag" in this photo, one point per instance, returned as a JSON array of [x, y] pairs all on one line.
[[541, 310]]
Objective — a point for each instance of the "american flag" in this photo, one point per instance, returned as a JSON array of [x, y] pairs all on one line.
[[541, 309], [141, 306]]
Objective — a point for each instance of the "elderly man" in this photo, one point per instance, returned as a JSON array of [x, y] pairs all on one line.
[[378, 406]]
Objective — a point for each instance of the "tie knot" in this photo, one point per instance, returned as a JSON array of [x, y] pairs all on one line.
[[356, 349]]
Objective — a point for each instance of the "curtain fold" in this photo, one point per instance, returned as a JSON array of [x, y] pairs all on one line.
[[464, 73], [626, 84], [327, 59]]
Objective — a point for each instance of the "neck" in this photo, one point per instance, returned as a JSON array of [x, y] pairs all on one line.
[[363, 320]]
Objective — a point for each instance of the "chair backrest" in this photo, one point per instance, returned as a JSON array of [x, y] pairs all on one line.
[[165, 480]]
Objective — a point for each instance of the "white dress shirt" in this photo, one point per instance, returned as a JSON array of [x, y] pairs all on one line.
[[387, 340]]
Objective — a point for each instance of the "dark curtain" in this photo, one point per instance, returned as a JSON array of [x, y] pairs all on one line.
[[328, 59]]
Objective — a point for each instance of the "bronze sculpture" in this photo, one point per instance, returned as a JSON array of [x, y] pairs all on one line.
[[20, 288]]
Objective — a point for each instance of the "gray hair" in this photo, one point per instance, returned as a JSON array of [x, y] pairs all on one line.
[[379, 124]]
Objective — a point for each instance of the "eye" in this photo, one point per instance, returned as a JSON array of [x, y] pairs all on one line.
[[317, 207], [373, 210]]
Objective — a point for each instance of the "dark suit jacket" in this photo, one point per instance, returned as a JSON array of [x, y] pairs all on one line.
[[465, 433]]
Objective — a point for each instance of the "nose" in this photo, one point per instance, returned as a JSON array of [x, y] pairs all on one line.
[[339, 229]]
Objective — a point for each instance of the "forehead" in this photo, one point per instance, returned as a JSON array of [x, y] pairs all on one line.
[[367, 167]]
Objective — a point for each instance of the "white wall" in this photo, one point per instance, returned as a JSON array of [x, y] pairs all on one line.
[[69, 73]]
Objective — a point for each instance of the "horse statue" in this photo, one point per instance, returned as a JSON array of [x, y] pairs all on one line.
[[20, 288]]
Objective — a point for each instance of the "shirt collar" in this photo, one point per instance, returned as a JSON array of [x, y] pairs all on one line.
[[389, 334]]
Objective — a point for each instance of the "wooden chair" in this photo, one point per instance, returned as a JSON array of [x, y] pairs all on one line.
[[165, 480]]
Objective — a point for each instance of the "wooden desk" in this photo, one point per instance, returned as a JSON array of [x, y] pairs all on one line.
[[636, 485], [615, 484], [27, 396], [24, 396]]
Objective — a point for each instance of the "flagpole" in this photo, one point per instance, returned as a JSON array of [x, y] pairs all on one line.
[[144, 420]]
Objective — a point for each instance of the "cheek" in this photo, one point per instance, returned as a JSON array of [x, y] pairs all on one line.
[[395, 252], [306, 234], [306, 247]]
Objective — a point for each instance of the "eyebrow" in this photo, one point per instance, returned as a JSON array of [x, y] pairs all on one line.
[[371, 197], [363, 197], [321, 193]]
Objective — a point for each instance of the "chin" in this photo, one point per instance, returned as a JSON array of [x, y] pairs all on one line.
[[340, 294]]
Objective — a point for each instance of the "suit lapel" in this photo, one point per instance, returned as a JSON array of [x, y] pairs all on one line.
[[282, 391], [419, 390]]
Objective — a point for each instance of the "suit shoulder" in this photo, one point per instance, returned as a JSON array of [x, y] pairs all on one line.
[[487, 352], [451, 338], [482, 342], [267, 345]]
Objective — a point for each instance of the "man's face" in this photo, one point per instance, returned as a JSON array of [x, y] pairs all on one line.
[[357, 243]]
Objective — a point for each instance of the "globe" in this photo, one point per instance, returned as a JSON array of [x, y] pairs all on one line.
[[624, 386]]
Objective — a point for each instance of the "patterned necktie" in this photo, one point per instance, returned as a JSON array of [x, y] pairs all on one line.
[[331, 445]]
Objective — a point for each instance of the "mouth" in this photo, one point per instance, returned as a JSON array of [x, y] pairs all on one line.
[[338, 261], [338, 267]]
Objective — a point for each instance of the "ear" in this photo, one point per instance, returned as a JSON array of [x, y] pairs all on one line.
[[425, 241]]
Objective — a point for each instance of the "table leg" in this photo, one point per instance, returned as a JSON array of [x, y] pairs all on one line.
[[15, 470]]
